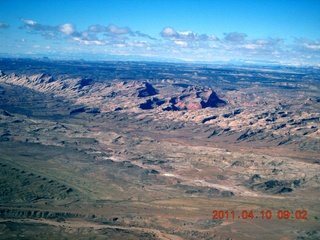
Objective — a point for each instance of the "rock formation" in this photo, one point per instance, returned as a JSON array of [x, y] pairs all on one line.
[[147, 91], [195, 98]]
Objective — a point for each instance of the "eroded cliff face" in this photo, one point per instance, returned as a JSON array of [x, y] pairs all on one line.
[[126, 93], [192, 98], [195, 98], [248, 115]]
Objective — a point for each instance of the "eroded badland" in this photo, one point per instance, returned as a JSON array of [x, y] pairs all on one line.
[[123, 150]]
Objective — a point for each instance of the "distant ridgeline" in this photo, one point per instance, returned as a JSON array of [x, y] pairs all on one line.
[[64, 79]]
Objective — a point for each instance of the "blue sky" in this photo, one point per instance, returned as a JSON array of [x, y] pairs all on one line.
[[278, 31]]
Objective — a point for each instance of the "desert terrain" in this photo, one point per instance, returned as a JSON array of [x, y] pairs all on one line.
[[138, 150]]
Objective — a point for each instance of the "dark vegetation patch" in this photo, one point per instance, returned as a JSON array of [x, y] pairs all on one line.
[[205, 191], [275, 186]]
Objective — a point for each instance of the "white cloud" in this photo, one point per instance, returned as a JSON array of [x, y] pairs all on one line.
[[169, 33], [213, 38], [118, 30], [33, 25], [112, 29], [262, 42], [4, 25], [82, 41], [186, 36], [175, 44], [235, 36], [29, 22], [97, 28], [67, 28], [314, 47], [250, 46], [120, 45], [181, 43]]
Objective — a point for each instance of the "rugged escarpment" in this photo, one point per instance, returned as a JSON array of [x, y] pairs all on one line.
[[147, 90], [247, 115], [127, 94], [195, 98]]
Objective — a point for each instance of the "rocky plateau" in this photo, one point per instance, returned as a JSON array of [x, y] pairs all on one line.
[[134, 150]]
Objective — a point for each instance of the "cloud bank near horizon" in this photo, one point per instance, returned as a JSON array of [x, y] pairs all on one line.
[[170, 43]]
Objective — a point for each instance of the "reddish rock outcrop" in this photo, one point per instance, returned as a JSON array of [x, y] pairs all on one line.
[[195, 98]]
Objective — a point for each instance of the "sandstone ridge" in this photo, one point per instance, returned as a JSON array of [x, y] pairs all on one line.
[[127, 93]]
